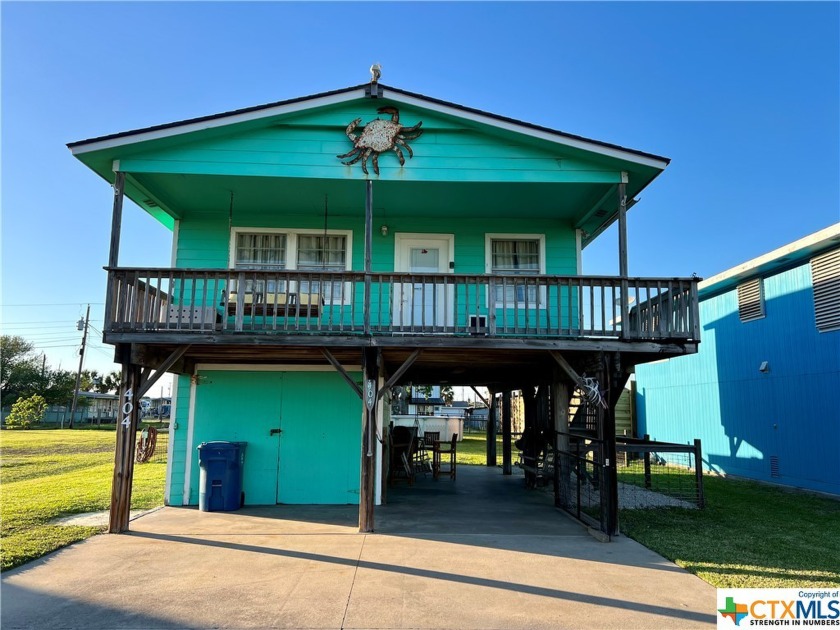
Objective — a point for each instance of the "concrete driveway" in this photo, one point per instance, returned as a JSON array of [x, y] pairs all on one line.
[[481, 552]]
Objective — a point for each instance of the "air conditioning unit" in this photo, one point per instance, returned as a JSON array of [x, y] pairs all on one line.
[[478, 325]]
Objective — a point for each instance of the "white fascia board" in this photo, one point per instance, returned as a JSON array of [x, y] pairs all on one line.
[[556, 138], [221, 121], [815, 242]]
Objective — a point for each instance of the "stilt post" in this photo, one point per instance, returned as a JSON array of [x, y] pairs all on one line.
[[370, 366], [128, 419], [507, 451], [562, 469], [368, 251], [491, 430]]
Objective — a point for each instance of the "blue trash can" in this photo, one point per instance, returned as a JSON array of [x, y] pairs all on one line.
[[220, 482]]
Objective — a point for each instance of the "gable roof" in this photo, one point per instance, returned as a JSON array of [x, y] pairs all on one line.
[[352, 93]]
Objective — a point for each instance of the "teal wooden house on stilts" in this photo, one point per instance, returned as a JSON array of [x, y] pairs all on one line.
[[331, 247]]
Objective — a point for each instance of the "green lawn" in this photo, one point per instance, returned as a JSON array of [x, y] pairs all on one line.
[[45, 474], [749, 535], [472, 450]]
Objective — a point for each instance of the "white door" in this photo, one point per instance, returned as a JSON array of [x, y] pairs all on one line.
[[423, 303]]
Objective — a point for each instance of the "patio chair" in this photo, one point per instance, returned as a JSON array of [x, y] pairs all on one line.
[[426, 451], [402, 444], [446, 450]]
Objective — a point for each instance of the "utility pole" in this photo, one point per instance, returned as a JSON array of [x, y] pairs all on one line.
[[81, 326]]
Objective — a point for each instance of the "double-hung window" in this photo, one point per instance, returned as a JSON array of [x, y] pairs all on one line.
[[516, 256], [261, 252], [282, 250], [320, 253]]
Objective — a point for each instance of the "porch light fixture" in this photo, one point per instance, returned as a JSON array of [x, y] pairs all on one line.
[[764, 368], [384, 230]]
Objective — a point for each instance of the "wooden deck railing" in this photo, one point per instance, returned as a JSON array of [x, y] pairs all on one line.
[[335, 303]]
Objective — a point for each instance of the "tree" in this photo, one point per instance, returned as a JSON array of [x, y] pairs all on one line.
[[59, 387], [20, 372], [27, 411], [447, 393], [111, 383], [91, 381]]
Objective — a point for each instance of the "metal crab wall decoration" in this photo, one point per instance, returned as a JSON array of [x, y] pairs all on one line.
[[379, 136]]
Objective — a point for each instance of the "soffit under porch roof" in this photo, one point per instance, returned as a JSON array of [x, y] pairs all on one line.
[[300, 139], [255, 200]]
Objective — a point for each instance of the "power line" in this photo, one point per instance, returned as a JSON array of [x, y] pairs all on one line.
[[53, 323], [57, 304], [46, 335]]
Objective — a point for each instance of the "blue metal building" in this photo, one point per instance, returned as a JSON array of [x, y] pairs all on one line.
[[762, 391]]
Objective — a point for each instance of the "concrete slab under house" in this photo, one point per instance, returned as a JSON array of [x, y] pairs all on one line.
[[332, 247]]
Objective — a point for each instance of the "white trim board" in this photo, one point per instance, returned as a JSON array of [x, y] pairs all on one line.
[[222, 121], [291, 243], [170, 445], [190, 430], [246, 367]]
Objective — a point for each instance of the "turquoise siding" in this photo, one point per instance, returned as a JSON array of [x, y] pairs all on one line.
[[205, 243], [453, 150], [316, 458], [743, 416]]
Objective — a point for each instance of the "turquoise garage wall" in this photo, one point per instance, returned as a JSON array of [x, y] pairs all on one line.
[[316, 457]]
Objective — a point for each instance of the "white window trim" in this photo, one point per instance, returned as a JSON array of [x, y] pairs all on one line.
[[509, 236], [292, 247], [291, 242]]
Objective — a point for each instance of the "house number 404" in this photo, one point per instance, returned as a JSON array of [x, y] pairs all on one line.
[[127, 408]]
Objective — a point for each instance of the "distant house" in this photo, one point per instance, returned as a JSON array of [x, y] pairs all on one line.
[[760, 392]]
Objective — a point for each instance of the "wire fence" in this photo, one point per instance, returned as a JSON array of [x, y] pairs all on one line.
[[659, 474]]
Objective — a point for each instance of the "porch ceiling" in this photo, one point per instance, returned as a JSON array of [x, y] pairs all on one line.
[[184, 196], [496, 367]]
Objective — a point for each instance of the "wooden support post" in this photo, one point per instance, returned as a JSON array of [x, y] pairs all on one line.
[[491, 430], [368, 253], [622, 255], [507, 451], [370, 366], [562, 462], [116, 218], [529, 437], [114, 252], [698, 472], [622, 230], [124, 452], [610, 455], [646, 459]]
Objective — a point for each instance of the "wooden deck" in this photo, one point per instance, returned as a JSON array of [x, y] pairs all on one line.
[[191, 303]]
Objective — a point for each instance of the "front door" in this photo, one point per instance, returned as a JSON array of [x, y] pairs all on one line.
[[423, 302]]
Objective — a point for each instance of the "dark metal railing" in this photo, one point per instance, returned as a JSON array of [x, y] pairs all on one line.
[[329, 303]]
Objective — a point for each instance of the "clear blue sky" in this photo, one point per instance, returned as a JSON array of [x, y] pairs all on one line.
[[744, 97]]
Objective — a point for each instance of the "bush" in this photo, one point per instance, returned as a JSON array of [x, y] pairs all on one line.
[[27, 411]]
